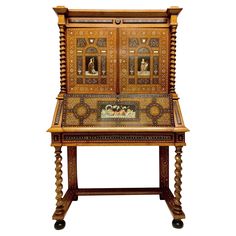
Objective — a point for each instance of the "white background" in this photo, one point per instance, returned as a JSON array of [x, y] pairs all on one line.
[[29, 54]]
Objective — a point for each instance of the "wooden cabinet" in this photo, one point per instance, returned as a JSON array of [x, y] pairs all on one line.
[[117, 87], [117, 60]]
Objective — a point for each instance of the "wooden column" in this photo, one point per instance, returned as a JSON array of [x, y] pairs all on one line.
[[172, 57], [61, 11], [62, 58], [59, 193], [173, 15], [163, 169], [178, 213]]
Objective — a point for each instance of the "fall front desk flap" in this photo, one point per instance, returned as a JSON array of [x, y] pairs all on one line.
[[91, 110]]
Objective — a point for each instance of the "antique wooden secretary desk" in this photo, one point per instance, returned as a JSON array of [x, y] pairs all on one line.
[[117, 87]]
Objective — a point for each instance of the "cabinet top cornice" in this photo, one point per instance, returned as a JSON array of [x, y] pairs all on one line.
[[61, 10]]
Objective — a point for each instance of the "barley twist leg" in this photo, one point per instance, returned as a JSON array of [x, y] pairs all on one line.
[[59, 186], [177, 223]]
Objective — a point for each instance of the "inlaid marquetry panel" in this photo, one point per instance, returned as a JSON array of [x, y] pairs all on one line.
[[91, 60], [144, 60], [117, 111]]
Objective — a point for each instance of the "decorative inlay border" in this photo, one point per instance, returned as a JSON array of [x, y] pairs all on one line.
[[126, 95], [117, 137], [89, 21], [144, 21]]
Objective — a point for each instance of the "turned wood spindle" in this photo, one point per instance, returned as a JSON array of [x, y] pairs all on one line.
[[172, 58], [59, 186], [62, 58], [178, 175]]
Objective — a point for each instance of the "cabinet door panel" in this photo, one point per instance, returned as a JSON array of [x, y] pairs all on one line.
[[143, 60], [91, 60]]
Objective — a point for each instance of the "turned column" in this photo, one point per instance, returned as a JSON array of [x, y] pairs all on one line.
[[172, 57], [61, 12], [59, 186], [178, 168], [62, 29]]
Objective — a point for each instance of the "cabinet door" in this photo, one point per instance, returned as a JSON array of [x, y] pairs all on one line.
[[143, 60], [91, 60]]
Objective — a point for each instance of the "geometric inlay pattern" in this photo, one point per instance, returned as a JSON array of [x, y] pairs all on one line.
[[91, 57], [149, 46], [127, 110]]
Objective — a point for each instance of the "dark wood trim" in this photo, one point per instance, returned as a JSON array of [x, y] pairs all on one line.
[[117, 191], [72, 167], [163, 168]]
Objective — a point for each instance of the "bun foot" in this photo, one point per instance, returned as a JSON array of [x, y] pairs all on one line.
[[59, 224], [178, 224], [75, 198]]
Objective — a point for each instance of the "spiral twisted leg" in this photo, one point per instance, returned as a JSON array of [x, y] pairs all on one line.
[[178, 175], [59, 186], [62, 58], [172, 58]]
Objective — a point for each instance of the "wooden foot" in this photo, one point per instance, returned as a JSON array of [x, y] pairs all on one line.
[[75, 198], [163, 169], [178, 224], [59, 224], [59, 204]]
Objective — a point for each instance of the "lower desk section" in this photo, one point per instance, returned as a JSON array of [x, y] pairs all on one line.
[[103, 139]]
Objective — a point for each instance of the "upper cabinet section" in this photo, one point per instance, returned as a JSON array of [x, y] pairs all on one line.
[[117, 51]]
